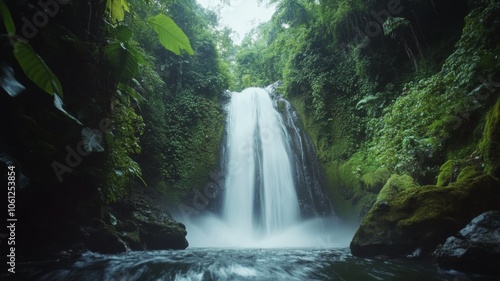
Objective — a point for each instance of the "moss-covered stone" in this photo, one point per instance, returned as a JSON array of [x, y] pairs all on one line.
[[423, 217], [394, 185], [447, 173], [467, 173], [490, 142]]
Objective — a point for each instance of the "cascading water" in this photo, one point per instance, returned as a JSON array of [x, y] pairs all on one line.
[[260, 193], [272, 194]]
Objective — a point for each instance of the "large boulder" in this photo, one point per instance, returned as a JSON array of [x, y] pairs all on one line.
[[158, 235], [418, 219], [145, 225], [104, 240], [476, 248], [137, 222]]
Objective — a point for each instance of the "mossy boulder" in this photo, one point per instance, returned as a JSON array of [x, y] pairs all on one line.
[[448, 173], [467, 173], [394, 185], [423, 217]]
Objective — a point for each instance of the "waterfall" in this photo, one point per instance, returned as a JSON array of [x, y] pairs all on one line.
[[271, 189], [260, 194]]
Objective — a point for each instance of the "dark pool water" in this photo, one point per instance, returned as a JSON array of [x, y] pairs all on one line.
[[237, 264]]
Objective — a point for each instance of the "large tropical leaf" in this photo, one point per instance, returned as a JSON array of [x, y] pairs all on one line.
[[116, 9], [36, 70], [170, 35], [7, 18], [122, 62]]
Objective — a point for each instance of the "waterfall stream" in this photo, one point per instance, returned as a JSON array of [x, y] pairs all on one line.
[[272, 185], [260, 193]]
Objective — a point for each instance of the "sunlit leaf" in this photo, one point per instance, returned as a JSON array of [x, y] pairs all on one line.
[[170, 35], [8, 82], [122, 62], [7, 18], [36, 70], [92, 140], [116, 9], [58, 103]]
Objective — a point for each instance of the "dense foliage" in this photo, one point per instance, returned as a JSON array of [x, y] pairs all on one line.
[[139, 111], [383, 87]]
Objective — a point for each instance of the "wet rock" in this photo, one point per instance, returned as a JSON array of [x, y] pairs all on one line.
[[134, 223], [476, 248], [144, 225], [105, 241], [163, 235], [423, 217]]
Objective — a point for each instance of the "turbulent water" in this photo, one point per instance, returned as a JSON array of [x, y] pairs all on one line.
[[237, 264]]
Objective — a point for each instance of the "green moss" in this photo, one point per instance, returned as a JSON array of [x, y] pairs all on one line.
[[446, 173], [467, 173], [431, 203], [489, 145], [308, 123], [423, 217], [374, 181], [339, 194], [394, 185]]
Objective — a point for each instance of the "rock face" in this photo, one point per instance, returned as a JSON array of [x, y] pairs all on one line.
[[135, 223], [476, 248], [419, 219], [144, 225]]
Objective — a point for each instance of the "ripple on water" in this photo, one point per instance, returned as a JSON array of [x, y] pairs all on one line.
[[237, 264]]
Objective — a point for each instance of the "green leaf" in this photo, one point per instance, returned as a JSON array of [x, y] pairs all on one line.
[[123, 33], [137, 53], [170, 35], [36, 70], [391, 24], [58, 103], [7, 18], [122, 62], [116, 9], [131, 92]]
